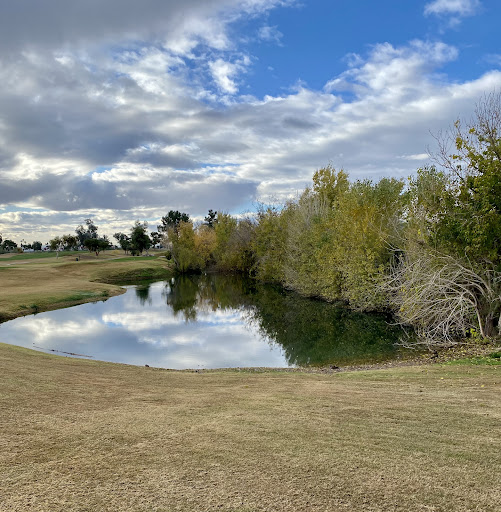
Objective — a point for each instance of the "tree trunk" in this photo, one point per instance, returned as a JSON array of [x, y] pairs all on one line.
[[489, 330]]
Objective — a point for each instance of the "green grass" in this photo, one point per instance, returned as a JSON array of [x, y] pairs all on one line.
[[491, 359], [35, 255], [81, 435]]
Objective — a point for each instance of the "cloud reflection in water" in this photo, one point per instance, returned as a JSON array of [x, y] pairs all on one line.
[[129, 329]]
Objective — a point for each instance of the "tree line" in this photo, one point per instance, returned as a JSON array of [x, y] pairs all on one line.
[[428, 248]]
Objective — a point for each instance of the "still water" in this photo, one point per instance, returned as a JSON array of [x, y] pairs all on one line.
[[209, 321]]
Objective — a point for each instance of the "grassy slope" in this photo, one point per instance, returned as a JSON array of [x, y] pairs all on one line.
[[81, 435], [39, 285], [13, 256]]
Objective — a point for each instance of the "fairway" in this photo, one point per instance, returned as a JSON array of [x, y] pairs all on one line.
[[80, 435], [33, 285]]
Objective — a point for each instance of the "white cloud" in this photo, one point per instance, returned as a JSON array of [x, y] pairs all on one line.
[[269, 33], [225, 73], [157, 122], [458, 7], [453, 10], [493, 58]]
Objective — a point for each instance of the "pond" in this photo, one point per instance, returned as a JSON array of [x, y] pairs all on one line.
[[209, 321]]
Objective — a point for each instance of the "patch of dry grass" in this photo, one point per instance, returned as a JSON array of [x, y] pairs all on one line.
[[39, 285], [82, 435]]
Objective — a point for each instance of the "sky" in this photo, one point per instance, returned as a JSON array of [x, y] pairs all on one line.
[[119, 110]]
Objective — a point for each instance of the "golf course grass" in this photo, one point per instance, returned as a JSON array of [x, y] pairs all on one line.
[[40, 284], [80, 435]]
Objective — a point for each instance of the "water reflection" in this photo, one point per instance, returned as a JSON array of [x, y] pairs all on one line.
[[143, 294], [209, 321]]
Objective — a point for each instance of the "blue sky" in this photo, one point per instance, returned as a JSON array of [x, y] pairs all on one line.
[[121, 111]]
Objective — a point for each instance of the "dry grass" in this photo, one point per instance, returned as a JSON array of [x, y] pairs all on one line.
[[82, 435], [29, 286]]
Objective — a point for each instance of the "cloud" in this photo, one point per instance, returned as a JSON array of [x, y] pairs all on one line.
[[31, 25], [270, 34], [455, 10], [224, 73], [493, 58], [157, 121], [459, 7]]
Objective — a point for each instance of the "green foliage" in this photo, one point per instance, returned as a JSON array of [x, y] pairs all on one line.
[[86, 232], [69, 242], [156, 238], [268, 244], [8, 245], [184, 247], [308, 237], [172, 221], [366, 223], [139, 238], [211, 219], [97, 244], [330, 184], [124, 241], [233, 246], [448, 282]]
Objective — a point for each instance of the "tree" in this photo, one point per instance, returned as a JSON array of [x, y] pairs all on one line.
[[139, 238], [97, 244], [8, 245], [172, 221], [268, 244], [184, 253], [156, 238], [445, 298], [211, 219], [233, 249], [123, 240], [446, 280], [470, 221], [86, 232], [69, 242], [37, 246], [330, 184]]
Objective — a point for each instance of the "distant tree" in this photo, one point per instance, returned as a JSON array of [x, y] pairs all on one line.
[[1, 238], [8, 245], [86, 232], [211, 218], [97, 244], [172, 221], [123, 240], [139, 237], [56, 244], [156, 238], [70, 242], [37, 246], [184, 252]]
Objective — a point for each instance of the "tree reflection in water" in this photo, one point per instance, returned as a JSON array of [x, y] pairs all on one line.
[[143, 294], [311, 332]]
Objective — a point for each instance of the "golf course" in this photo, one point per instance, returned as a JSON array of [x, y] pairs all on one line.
[[84, 435]]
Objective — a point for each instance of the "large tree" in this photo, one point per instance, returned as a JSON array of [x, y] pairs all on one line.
[[172, 221], [86, 232], [8, 245], [139, 238], [97, 244], [124, 241], [447, 278]]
